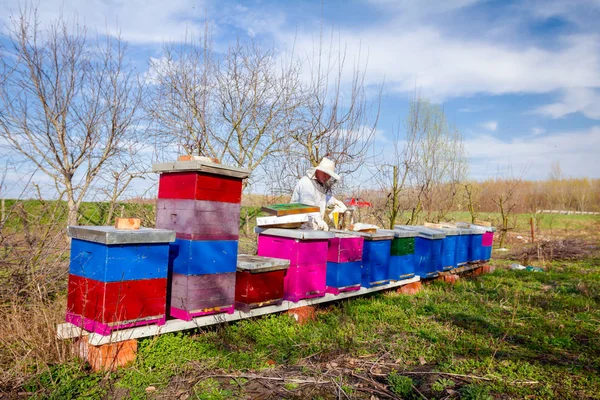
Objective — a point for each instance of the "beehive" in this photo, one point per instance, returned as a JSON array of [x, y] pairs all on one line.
[[259, 281], [344, 263], [117, 278], [200, 201], [307, 252]]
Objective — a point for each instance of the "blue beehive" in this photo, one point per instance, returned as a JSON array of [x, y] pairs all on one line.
[[403, 266], [449, 247], [201, 257], [343, 275], [107, 254], [476, 251], [428, 250], [376, 258], [462, 245]]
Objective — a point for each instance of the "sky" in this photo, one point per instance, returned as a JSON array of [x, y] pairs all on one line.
[[519, 79]]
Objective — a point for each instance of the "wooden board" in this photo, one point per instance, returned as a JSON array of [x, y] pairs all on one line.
[[289, 209]]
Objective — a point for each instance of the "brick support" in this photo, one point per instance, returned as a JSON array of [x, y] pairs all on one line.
[[107, 357], [303, 314], [410, 288], [450, 278]]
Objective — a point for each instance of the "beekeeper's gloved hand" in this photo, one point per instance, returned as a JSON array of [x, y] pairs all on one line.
[[342, 207], [322, 225]]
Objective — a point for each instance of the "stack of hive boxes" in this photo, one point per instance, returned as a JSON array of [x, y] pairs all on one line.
[[344, 263], [200, 201], [117, 278], [402, 255]]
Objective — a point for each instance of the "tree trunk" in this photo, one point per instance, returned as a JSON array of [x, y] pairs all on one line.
[[73, 210]]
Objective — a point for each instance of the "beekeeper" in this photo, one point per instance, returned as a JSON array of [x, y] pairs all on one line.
[[314, 189]]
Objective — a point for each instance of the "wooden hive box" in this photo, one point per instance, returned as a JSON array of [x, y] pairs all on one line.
[[201, 257], [402, 258], [259, 281], [428, 250], [307, 252], [200, 180], [199, 219], [117, 278], [376, 257], [344, 263], [197, 295]]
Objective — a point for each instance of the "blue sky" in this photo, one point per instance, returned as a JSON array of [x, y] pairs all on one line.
[[520, 79]]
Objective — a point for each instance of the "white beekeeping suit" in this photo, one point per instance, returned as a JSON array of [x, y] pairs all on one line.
[[312, 189]]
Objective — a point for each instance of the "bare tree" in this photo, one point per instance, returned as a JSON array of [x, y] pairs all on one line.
[[506, 188], [335, 119], [66, 106], [257, 100], [183, 83], [439, 163]]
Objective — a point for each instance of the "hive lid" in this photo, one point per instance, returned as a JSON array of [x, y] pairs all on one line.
[[290, 209], [257, 264], [201, 166], [401, 233], [423, 231], [381, 234], [476, 229], [345, 234], [449, 230], [110, 235], [301, 234]]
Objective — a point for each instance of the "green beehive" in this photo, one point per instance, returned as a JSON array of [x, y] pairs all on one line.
[[403, 246]]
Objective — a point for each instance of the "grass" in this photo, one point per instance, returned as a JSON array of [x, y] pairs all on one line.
[[511, 333]]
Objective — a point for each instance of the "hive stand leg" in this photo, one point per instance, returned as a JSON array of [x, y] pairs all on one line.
[[106, 357], [487, 269], [410, 288], [449, 278], [303, 314]]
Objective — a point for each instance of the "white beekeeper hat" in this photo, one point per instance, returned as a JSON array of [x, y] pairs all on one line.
[[328, 166]]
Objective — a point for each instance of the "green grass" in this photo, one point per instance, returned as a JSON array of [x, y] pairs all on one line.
[[514, 333]]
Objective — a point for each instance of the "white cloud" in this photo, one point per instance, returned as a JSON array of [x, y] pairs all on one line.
[[443, 66], [535, 131], [576, 151], [139, 21], [584, 100], [490, 125]]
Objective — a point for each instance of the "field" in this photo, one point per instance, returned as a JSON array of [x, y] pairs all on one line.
[[508, 334]]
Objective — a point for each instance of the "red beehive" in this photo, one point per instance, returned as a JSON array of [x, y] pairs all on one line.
[[200, 186], [259, 281]]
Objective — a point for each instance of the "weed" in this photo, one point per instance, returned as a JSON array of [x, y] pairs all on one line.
[[475, 392], [400, 384], [209, 389], [442, 384]]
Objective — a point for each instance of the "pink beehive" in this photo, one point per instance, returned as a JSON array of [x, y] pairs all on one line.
[[345, 248], [488, 239], [307, 252], [298, 251]]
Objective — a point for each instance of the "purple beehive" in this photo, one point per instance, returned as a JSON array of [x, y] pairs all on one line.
[[199, 219], [197, 295], [307, 252]]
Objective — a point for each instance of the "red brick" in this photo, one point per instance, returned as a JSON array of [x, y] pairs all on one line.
[[410, 288], [451, 278], [106, 357], [303, 314], [488, 269]]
